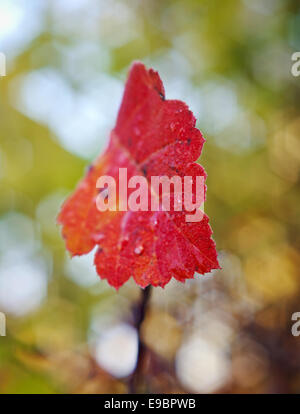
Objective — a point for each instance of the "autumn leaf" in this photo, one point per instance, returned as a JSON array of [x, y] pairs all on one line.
[[152, 137]]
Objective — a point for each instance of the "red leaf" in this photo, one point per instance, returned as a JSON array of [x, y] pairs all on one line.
[[152, 137]]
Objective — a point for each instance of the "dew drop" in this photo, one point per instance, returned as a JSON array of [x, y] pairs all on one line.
[[104, 193], [139, 250], [97, 237], [137, 131], [154, 221]]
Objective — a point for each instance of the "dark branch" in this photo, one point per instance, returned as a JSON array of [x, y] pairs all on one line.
[[135, 381]]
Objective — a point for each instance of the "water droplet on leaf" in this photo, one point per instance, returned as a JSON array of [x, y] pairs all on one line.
[[98, 237], [139, 250]]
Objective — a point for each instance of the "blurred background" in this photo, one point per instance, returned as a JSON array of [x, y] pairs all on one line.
[[229, 331]]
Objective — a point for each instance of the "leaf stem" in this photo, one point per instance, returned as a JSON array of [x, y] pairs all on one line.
[[139, 316]]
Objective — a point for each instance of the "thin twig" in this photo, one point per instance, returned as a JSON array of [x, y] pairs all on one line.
[[140, 313]]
